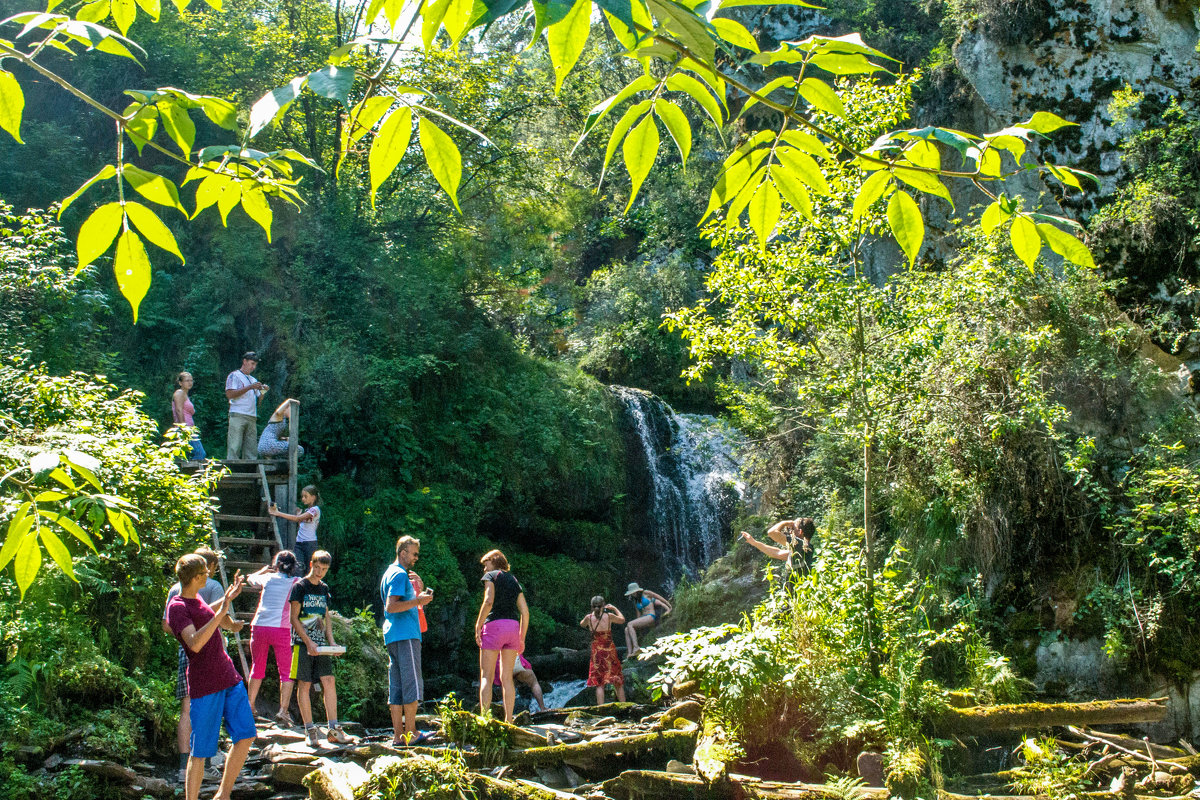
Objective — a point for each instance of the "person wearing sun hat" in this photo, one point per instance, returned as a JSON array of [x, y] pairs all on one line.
[[648, 607]]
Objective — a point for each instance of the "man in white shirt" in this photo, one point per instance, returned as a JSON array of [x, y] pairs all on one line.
[[243, 391]]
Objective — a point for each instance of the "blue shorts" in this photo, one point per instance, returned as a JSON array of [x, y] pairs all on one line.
[[230, 704]]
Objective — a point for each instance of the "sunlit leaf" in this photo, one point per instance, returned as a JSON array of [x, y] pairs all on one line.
[[132, 269], [389, 147], [872, 189], [677, 125], [58, 551], [178, 125], [631, 115], [107, 172], [124, 12], [804, 167], [993, 217], [332, 82], [924, 181], [95, 11], [763, 212], [744, 197], [1044, 122], [27, 562], [150, 226], [22, 520], [153, 8], [734, 32], [566, 39], [1025, 240], [600, 110], [152, 186], [273, 103], [1066, 245], [795, 192], [691, 30], [442, 156], [72, 527], [904, 218], [821, 96], [142, 126], [698, 92], [808, 143], [97, 233], [12, 104], [640, 149], [221, 112], [844, 64], [120, 522]]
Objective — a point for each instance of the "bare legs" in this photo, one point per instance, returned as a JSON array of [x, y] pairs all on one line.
[[404, 722], [329, 693], [183, 736], [631, 629], [487, 671], [233, 765], [600, 694]]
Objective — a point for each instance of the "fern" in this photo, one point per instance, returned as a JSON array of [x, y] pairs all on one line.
[[846, 788]]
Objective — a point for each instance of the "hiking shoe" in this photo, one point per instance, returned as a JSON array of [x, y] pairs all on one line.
[[338, 736], [285, 720], [314, 736]]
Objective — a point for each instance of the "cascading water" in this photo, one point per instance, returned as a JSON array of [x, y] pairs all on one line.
[[694, 482]]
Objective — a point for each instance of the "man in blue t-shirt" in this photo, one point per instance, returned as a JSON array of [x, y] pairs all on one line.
[[402, 635]]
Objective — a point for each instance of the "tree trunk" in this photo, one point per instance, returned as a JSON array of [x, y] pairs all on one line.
[[1046, 715]]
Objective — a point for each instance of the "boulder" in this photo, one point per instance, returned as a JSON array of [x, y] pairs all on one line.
[[335, 781]]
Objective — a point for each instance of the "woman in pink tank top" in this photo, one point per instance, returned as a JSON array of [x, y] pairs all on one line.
[[182, 413]]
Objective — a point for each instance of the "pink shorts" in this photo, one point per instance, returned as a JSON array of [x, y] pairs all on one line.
[[501, 634], [264, 639]]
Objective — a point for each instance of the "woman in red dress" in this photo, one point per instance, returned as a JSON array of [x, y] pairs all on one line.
[[605, 666]]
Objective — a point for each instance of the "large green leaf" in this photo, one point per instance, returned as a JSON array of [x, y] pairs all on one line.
[[821, 96], [566, 39], [1044, 122], [731, 182], [1066, 245], [1025, 240], [763, 212], [27, 562], [904, 218], [153, 8], [97, 233], [804, 167], [734, 32], [22, 520], [689, 29], [993, 217], [221, 112], [442, 156], [795, 192], [549, 13], [273, 103], [12, 104], [844, 64], [153, 187], [177, 124], [257, 206], [924, 181], [631, 115], [677, 125], [152, 227], [870, 192], [601, 110], [107, 172], [332, 82], [132, 269], [124, 12], [679, 82], [808, 143], [58, 551], [640, 149], [389, 147]]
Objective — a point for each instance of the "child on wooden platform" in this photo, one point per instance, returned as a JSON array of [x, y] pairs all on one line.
[[605, 665]]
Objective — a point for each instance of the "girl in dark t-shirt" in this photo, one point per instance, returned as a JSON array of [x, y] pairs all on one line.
[[500, 630]]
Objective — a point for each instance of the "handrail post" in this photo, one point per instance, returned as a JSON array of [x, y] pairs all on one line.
[[293, 457]]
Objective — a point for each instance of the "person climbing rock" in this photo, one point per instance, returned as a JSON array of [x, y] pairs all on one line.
[[605, 665], [794, 537], [649, 607]]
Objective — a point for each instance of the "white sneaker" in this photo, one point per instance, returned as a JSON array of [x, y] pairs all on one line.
[[314, 736]]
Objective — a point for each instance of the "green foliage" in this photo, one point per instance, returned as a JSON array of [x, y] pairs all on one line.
[[489, 736], [362, 696], [1050, 772], [444, 778]]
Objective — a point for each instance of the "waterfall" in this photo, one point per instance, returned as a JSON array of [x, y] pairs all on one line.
[[693, 477]]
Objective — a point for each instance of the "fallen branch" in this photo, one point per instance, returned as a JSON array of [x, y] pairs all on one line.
[[679, 743], [1120, 742], [1046, 715], [714, 753]]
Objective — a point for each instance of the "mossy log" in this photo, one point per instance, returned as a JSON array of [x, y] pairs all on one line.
[[517, 736], [689, 710], [1046, 715], [714, 753], [622, 711], [678, 743], [489, 788]]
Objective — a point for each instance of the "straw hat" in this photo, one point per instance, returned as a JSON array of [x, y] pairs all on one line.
[[632, 588]]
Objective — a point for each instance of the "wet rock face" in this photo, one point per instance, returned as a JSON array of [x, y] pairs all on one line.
[[1069, 56]]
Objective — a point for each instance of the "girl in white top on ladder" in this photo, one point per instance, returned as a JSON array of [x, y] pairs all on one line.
[[309, 519]]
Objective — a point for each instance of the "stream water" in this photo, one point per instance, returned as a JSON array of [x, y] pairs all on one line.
[[694, 477], [562, 692]]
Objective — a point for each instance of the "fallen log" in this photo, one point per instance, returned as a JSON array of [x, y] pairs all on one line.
[[653, 784], [678, 743], [714, 753], [1046, 715], [1113, 742], [623, 711], [1127, 743], [517, 736]]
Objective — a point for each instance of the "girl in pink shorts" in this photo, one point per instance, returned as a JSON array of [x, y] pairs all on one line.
[[272, 630], [500, 630]]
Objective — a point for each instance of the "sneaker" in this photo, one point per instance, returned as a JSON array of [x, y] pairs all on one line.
[[314, 736], [182, 775], [285, 720], [338, 736]]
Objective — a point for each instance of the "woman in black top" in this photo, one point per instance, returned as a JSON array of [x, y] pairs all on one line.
[[500, 630]]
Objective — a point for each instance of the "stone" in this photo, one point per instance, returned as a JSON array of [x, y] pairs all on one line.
[[284, 772], [870, 768], [680, 768], [335, 781]]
